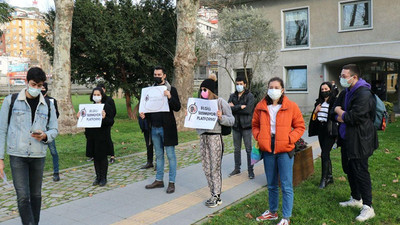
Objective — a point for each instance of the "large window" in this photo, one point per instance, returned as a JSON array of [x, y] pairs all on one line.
[[296, 28], [296, 78], [355, 15]]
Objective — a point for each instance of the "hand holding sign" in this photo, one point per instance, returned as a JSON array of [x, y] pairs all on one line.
[[154, 99], [202, 114], [90, 115]]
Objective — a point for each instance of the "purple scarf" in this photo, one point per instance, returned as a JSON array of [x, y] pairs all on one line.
[[348, 97]]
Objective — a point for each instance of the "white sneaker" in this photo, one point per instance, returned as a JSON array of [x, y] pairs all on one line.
[[284, 222], [352, 203], [366, 213]]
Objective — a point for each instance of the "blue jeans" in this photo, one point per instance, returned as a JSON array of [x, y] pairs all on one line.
[[157, 135], [54, 154], [27, 176], [284, 164]]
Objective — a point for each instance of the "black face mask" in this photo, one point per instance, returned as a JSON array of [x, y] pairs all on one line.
[[158, 80], [44, 93], [325, 94]]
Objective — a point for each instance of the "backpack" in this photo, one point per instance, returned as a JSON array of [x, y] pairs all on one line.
[[14, 97], [225, 130], [381, 114]]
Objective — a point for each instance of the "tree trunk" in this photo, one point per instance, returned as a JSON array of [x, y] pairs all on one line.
[[185, 57], [128, 104], [62, 66]]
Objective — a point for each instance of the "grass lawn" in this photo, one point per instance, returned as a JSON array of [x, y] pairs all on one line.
[[126, 135], [315, 206]]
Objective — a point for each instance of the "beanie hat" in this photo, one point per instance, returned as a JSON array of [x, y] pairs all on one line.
[[209, 84]]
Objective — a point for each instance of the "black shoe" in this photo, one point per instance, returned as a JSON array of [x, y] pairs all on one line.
[[171, 188], [251, 174], [96, 182], [56, 177], [90, 159], [155, 184], [234, 172], [112, 160], [103, 182], [148, 165]]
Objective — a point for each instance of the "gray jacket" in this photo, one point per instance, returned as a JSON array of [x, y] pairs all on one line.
[[226, 120], [18, 132]]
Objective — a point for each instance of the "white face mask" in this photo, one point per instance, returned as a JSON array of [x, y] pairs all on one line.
[[344, 82], [97, 99], [274, 94]]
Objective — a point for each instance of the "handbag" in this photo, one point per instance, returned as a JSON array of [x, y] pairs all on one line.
[[332, 128], [255, 154], [225, 130]]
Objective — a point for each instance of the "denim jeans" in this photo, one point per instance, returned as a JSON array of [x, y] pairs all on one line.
[[27, 178], [284, 164], [157, 135], [237, 142], [54, 155]]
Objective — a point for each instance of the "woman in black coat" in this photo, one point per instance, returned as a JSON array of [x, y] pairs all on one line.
[[326, 129], [98, 140]]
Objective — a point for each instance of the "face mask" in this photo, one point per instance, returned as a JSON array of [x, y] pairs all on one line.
[[204, 94], [44, 93], [97, 99], [274, 94], [344, 82], [34, 92], [157, 80], [239, 88], [325, 94]]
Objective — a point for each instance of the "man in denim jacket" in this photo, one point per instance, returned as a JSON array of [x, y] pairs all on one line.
[[27, 133]]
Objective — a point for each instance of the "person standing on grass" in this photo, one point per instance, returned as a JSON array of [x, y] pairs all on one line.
[[242, 106], [113, 113], [355, 110], [28, 122], [326, 133], [144, 127], [52, 145], [164, 133], [212, 145], [278, 124], [98, 140]]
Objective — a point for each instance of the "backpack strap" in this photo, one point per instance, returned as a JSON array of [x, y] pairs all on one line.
[[13, 98], [48, 110]]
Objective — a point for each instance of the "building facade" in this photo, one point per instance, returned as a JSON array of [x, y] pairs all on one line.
[[318, 37]]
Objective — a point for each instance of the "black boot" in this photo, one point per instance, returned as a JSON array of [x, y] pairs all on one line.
[[324, 175], [97, 170], [329, 177], [103, 173]]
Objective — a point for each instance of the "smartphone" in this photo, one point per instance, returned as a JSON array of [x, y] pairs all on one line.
[[37, 132]]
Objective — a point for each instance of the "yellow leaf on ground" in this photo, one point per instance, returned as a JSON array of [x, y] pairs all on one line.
[[123, 185], [383, 185], [398, 158], [394, 195], [117, 131], [396, 181], [90, 194], [387, 151], [342, 178], [248, 215]]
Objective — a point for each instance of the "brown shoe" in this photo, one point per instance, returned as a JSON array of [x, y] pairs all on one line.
[[171, 188], [155, 184]]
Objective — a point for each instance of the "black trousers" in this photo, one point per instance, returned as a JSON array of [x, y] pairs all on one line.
[[149, 146], [358, 176]]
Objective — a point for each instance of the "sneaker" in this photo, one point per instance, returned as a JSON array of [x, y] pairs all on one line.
[[234, 172], [284, 222], [112, 160], [56, 177], [352, 203], [366, 213], [214, 201], [267, 215], [90, 159]]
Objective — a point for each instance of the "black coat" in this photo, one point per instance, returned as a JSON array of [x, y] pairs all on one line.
[[243, 115], [111, 103], [169, 122], [314, 125], [98, 140], [361, 137]]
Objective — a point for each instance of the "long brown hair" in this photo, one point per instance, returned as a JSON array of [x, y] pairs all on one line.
[[269, 100]]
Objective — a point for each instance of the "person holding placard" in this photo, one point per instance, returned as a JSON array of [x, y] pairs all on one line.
[[212, 145], [164, 133], [98, 140]]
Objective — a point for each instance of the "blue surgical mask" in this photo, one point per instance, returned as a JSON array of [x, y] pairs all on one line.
[[34, 92], [239, 88], [344, 82]]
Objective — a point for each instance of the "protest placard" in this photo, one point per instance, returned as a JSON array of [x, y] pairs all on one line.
[[153, 100], [90, 115], [201, 113]]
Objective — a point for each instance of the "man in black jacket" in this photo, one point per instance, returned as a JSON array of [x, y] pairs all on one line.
[[355, 109], [242, 105], [164, 133]]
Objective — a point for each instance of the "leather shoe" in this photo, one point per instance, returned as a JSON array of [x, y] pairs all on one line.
[[96, 182], [155, 184], [112, 160], [251, 174], [103, 182], [171, 188], [148, 165], [234, 172], [56, 177]]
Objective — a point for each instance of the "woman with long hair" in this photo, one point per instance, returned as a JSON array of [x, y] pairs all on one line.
[[211, 143], [326, 129], [277, 125]]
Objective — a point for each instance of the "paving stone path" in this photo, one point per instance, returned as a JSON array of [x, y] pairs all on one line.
[[76, 183]]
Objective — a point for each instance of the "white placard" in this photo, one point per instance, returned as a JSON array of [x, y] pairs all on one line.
[[153, 100], [90, 115], [201, 113]]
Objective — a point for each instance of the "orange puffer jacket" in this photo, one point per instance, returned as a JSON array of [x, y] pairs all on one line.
[[289, 116]]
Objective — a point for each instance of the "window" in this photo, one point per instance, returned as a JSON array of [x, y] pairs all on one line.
[[14, 30], [296, 78], [355, 15], [296, 28]]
